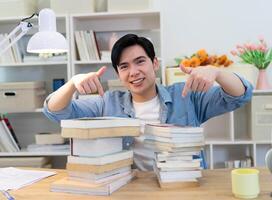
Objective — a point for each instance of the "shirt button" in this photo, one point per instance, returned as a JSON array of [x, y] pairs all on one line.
[[127, 144]]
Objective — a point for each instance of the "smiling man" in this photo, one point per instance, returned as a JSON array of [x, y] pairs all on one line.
[[134, 60]]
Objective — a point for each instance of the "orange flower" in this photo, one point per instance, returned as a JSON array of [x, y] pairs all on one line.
[[195, 61], [202, 55], [221, 60], [185, 62]]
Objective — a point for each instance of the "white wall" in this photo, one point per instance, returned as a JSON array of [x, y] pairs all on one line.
[[216, 25]]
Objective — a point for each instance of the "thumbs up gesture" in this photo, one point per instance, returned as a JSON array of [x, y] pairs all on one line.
[[200, 79], [89, 83]]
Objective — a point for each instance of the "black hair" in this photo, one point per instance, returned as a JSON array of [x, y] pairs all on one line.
[[127, 41]]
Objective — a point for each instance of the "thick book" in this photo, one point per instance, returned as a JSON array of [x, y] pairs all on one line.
[[100, 127], [99, 169], [171, 130], [103, 180], [174, 164], [100, 122], [78, 187], [93, 177], [174, 145], [101, 160], [177, 140], [96, 147], [177, 176]]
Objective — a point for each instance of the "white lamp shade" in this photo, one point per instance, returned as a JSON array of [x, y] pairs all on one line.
[[47, 40]]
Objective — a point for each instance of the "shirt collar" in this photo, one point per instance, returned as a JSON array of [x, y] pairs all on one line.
[[163, 95]]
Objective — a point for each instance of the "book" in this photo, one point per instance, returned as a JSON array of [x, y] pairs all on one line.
[[8, 143], [103, 180], [176, 140], [177, 176], [49, 138], [100, 127], [93, 133], [101, 160], [96, 147], [24, 161], [77, 187], [93, 177], [175, 145], [99, 169], [100, 122], [174, 164], [6, 120], [171, 130]]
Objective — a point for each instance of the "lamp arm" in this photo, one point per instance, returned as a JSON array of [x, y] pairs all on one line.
[[24, 27]]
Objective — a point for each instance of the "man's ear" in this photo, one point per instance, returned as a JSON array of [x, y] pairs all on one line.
[[156, 64]]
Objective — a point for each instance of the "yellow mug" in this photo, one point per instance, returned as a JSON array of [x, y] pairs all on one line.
[[245, 183]]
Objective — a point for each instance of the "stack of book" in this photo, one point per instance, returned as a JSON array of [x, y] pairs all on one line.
[[177, 150], [98, 165]]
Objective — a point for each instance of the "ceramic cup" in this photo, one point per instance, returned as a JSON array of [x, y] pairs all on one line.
[[245, 183]]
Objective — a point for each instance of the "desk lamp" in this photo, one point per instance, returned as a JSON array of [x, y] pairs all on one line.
[[47, 40]]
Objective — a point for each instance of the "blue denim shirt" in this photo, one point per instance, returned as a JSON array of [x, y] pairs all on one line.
[[192, 110]]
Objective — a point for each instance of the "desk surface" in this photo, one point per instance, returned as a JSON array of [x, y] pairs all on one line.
[[215, 184]]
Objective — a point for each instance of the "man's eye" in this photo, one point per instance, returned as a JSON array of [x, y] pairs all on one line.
[[122, 67], [141, 62]]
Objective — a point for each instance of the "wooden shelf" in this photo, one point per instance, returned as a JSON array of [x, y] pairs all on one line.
[[33, 64]]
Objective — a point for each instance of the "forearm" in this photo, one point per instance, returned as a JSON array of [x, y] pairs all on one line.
[[61, 97], [230, 83]]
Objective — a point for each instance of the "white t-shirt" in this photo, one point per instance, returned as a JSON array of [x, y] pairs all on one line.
[[147, 112]]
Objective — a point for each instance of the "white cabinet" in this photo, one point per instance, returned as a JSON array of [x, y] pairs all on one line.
[[229, 136]]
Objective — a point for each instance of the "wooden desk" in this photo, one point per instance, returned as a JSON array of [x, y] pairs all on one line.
[[216, 184]]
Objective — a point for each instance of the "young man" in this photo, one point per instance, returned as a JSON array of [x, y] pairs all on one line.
[[185, 104]]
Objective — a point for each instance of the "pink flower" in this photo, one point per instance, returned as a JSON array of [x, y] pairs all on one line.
[[241, 51], [234, 53]]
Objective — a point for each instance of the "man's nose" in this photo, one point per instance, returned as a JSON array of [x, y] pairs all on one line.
[[134, 71]]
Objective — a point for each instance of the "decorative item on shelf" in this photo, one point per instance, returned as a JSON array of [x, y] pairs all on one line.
[[258, 55], [112, 40], [57, 83], [202, 58]]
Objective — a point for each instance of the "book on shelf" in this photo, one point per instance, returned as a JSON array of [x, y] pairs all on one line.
[[11, 130], [79, 187], [101, 160], [49, 138], [48, 147], [87, 46], [7, 141], [95, 147], [98, 169], [100, 127], [28, 161], [12, 54]]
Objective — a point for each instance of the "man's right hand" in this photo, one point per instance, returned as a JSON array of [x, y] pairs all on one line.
[[89, 83]]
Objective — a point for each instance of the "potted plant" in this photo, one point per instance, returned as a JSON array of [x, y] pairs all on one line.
[[258, 55]]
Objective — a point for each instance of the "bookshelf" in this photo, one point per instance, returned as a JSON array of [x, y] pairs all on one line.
[[27, 124], [229, 136]]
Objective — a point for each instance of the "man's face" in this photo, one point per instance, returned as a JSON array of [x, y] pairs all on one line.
[[137, 72]]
